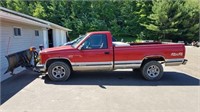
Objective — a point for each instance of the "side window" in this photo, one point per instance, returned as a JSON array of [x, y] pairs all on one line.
[[17, 31], [37, 33], [97, 41]]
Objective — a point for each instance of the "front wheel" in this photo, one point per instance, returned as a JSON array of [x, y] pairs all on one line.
[[152, 70], [59, 71]]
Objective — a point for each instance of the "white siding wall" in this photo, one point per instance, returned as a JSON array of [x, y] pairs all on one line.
[[16, 44], [63, 36], [59, 37], [55, 39], [45, 38]]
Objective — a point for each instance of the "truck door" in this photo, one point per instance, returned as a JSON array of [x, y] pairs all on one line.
[[97, 54]]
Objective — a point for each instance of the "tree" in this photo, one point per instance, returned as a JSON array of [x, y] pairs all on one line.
[[157, 19], [17, 5], [189, 27], [176, 20], [38, 10]]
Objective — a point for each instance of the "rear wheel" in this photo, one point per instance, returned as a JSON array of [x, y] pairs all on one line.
[[59, 71], [152, 70]]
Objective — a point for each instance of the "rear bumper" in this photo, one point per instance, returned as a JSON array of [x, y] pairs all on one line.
[[40, 67], [175, 62], [184, 61]]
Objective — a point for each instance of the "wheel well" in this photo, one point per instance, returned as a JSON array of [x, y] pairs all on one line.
[[49, 62], [161, 59]]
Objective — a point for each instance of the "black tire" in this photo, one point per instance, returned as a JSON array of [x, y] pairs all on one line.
[[152, 70], [59, 71]]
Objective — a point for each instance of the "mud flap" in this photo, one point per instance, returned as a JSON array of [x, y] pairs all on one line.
[[22, 58]]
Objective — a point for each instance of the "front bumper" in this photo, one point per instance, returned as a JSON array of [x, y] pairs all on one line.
[[40, 67]]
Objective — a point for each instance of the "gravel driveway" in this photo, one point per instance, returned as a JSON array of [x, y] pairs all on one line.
[[119, 91], [193, 65]]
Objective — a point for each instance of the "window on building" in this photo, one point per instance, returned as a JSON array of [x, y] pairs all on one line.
[[37, 33], [17, 31]]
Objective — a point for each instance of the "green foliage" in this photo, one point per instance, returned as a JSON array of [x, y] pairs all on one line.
[[39, 10], [130, 20], [176, 20]]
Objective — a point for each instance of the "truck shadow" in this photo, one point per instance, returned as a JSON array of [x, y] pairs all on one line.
[[126, 78], [16, 83]]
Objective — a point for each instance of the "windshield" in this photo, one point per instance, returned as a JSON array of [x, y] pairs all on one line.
[[73, 41], [79, 39]]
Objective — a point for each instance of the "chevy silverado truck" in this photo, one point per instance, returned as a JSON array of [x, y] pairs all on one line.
[[96, 51]]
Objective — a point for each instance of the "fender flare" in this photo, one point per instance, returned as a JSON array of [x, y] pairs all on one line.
[[57, 58], [160, 57]]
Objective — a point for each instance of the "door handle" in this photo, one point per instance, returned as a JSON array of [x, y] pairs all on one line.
[[106, 52]]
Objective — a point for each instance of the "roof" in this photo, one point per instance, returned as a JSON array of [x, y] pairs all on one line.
[[36, 20], [96, 32]]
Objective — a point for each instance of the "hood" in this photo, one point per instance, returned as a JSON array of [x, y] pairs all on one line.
[[54, 49]]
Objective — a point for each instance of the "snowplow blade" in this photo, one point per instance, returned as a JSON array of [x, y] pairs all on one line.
[[22, 58]]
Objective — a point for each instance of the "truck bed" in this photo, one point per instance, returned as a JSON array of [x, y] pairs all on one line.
[[170, 52]]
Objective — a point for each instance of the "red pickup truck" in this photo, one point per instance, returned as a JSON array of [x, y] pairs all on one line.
[[96, 51]]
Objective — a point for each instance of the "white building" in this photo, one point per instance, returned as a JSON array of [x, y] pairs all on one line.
[[19, 32]]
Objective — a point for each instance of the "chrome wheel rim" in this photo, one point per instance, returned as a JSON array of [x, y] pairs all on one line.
[[58, 72], [153, 71]]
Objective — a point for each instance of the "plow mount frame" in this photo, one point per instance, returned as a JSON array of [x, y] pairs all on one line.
[[22, 58]]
